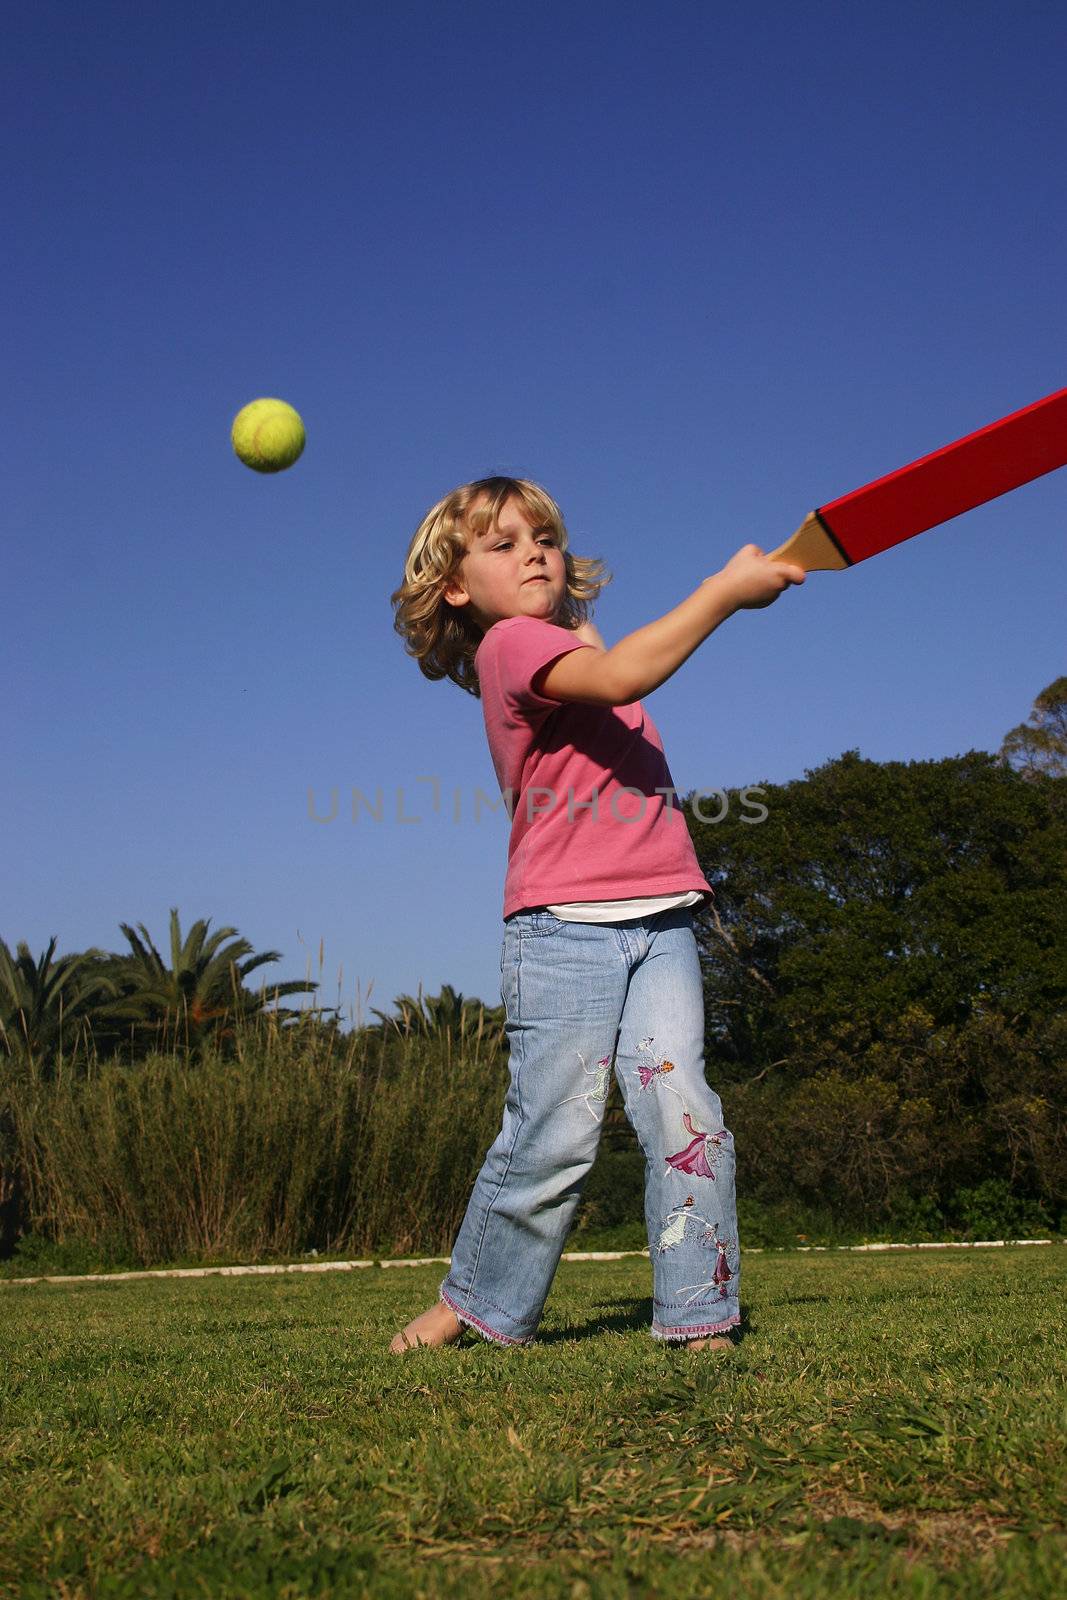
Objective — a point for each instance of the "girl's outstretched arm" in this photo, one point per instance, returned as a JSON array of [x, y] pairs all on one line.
[[643, 660]]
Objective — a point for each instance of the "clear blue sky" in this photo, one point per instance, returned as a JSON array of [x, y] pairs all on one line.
[[695, 268]]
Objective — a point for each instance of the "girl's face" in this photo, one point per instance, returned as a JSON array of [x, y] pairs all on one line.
[[513, 570]]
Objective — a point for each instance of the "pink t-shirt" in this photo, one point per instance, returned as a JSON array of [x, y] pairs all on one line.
[[564, 768]]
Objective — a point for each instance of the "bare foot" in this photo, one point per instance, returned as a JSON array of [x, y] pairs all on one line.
[[709, 1343], [438, 1326]]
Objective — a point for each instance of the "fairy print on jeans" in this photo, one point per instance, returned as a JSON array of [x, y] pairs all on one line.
[[673, 1234], [721, 1274], [649, 1074], [598, 1091], [699, 1155], [695, 1157], [674, 1230]]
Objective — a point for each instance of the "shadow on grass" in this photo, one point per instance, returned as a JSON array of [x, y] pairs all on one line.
[[627, 1314]]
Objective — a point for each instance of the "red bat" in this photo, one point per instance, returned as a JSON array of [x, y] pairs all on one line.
[[937, 487]]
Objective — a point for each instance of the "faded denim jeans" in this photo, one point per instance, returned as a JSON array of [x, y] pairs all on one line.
[[582, 998]]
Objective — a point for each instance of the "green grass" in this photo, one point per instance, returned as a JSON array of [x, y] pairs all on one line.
[[884, 1425]]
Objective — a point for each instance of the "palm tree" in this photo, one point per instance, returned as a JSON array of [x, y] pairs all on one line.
[[445, 1013], [200, 994], [46, 1004]]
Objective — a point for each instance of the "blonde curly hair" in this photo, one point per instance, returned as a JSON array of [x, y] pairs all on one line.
[[441, 637]]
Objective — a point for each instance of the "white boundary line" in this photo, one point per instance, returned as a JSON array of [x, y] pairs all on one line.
[[429, 1261]]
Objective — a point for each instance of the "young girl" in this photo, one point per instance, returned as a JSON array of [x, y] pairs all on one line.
[[599, 964]]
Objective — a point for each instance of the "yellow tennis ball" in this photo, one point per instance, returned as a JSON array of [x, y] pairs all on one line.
[[268, 435]]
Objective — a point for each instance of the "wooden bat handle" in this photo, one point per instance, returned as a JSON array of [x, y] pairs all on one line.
[[812, 548]]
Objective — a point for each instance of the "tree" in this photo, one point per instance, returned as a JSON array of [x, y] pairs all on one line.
[[199, 998], [871, 887], [46, 1005], [1041, 747], [445, 1013]]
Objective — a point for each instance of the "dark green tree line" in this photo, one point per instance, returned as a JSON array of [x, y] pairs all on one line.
[[885, 973]]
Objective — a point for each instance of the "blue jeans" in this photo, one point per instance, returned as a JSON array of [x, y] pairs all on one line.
[[581, 997]]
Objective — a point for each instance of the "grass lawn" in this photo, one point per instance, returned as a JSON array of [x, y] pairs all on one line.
[[889, 1424]]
